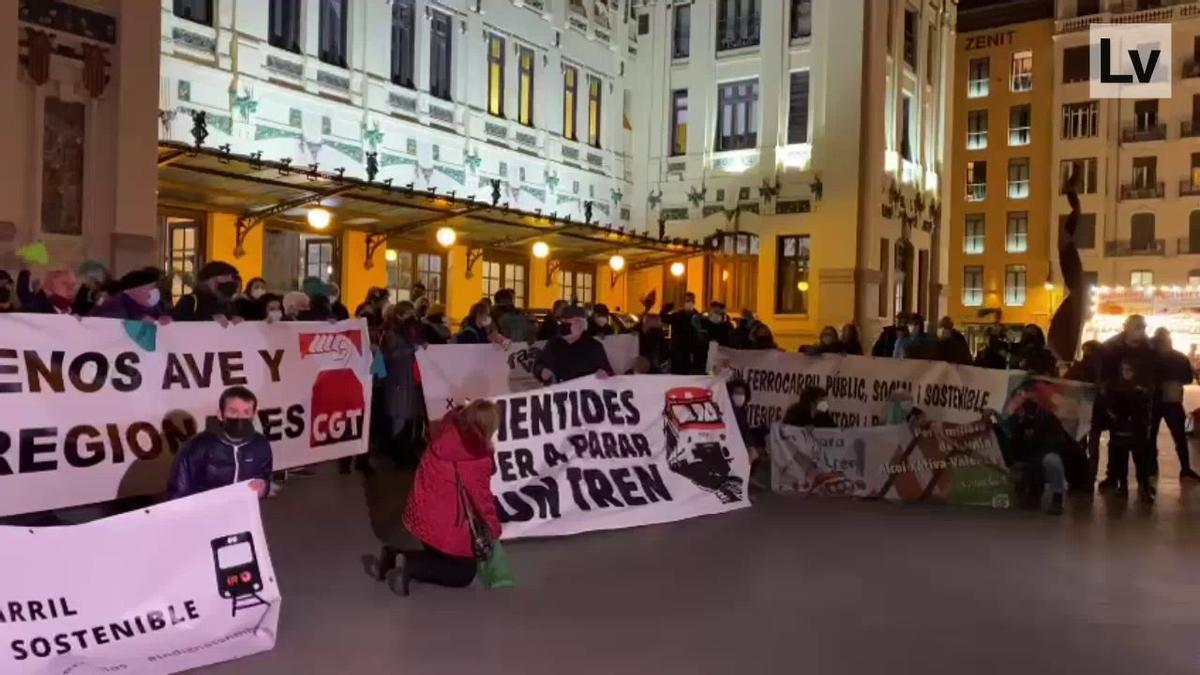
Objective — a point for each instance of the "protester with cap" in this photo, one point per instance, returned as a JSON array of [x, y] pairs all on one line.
[[573, 353], [139, 299], [212, 300], [231, 452]]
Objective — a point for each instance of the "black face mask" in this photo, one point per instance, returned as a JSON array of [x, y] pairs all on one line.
[[564, 329], [227, 289], [238, 429]]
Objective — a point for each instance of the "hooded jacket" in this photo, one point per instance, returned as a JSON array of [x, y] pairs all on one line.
[[434, 514], [211, 459]]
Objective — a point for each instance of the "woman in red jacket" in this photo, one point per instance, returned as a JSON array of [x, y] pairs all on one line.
[[460, 449]]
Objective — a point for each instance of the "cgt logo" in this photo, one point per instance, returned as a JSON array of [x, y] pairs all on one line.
[[338, 405], [342, 345], [1129, 60]]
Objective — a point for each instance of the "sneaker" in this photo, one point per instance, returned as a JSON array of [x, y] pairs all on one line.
[[1107, 484], [1056, 505], [1188, 474], [398, 579], [1122, 490]]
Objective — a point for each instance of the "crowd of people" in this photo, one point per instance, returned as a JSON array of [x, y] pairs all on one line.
[[1139, 380]]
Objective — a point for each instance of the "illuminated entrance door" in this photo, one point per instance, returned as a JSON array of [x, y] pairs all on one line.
[[182, 235], [290, 257]]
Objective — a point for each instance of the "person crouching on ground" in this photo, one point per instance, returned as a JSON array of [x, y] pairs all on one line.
[[456, 468], [232, 453], [1038, 449]]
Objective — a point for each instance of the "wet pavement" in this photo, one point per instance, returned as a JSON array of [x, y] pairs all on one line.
[[793, 585]]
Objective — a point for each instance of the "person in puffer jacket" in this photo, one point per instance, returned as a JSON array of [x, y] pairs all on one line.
[[460, 449], [234, 453]]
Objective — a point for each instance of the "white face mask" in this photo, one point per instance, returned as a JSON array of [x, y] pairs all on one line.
[[257, 292], [602, 321], [823, 406], [944, 333], [739, 400], [485, 322], [690, 306], [153, 298], [275, 315], [913, 330]]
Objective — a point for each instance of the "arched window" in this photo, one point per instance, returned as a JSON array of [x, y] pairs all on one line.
[[1194, 232]]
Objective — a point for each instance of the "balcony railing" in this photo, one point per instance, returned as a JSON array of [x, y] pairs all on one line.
[[1189, 129], [1188, 188], [1188, 246], [1018, 136], [1139, 134], [1127, 248], [740, 32], [976, 140], [976, 192], [977, 88], [1143, 190]]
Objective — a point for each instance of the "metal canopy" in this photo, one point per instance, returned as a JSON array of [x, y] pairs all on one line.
[[280, 194]]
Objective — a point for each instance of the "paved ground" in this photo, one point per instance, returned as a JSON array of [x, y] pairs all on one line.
[[791, 586]]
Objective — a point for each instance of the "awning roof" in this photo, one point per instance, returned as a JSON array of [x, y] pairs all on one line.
[[268, 190]]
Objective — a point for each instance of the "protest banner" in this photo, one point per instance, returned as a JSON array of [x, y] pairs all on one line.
[[177, 586], [942, 462], [454, 374], [863, 390], [1071, 402], [595, 454], [96, 409]]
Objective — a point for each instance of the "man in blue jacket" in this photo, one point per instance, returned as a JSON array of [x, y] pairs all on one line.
[[232, 453]]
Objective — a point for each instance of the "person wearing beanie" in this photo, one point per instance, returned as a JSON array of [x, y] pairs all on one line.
[[139, 299], [212, 300], [573, 353]]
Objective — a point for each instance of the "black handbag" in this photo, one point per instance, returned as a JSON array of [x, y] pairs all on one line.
[[481, 539]]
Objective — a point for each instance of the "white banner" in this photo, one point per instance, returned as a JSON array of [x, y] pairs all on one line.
[[863, 390], [941, 462], [95, 409], [178, 586], [596, 454], [454, 374]]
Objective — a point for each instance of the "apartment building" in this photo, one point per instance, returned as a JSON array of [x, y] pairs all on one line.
[[1002, 144], [1139, 159], [810, 134]]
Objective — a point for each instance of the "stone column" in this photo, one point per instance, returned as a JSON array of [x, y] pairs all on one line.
[[136, 85], [12, 135]]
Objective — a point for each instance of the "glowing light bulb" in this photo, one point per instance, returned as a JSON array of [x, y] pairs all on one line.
[[446, 236], [617, 263], [318, 218], [802, 286], [677, 269], [390, 255], [541, 250]]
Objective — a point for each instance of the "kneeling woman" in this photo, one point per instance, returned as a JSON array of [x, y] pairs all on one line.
[[459, 454]]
